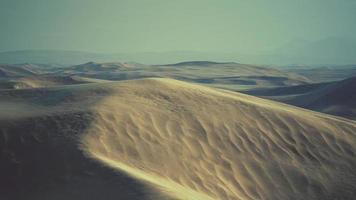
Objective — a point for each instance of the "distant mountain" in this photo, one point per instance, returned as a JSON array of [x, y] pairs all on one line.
[[326, 51], [69, 58], [51, 57]]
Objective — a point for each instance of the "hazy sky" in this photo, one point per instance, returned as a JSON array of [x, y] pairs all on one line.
[[171, 25]]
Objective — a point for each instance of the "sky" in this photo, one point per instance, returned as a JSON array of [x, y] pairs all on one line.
[[116, 26]]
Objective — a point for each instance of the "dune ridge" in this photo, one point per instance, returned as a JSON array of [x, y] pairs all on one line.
[[39, 152], [215, 144]]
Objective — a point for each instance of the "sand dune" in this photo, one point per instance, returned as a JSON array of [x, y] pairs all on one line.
[[99, 67], [39, 148], [186, 141], [42, 81], [230, 74], [201, 143], [325, 74], [336, 98], [14, 71], [225, 75]]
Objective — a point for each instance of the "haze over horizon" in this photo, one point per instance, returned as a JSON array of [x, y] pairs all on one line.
[[247, 31]]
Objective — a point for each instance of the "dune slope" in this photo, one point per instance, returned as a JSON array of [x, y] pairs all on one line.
[[14, 71], [194, 142], [40, 158], [336, 98], [132, 139]]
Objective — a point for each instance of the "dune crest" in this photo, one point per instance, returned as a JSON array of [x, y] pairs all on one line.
[[200, 143]]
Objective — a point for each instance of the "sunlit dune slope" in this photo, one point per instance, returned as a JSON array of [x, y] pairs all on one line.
[[119, 140], [194, 142]]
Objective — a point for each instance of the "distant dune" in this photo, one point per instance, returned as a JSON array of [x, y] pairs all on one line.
[[237, 69], [99, 67], [325, 74], [228, 75], [7, 71], [171, 139], [22, 76], [337, 98], [225, 75], [42, 81], [197, 63]]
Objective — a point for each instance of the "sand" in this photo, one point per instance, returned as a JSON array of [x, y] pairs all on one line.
[[166, 139], [195, 142], [335, 98]]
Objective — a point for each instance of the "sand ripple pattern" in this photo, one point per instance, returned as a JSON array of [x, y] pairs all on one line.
[[195, 142]]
